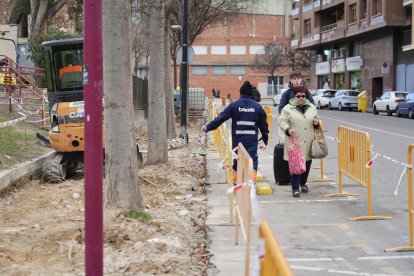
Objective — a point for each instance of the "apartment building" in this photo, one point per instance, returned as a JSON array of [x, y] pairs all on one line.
[[224, 52], [359, 43]]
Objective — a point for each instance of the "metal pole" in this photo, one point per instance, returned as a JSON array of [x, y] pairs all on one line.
[[184, 75], [93, 87]]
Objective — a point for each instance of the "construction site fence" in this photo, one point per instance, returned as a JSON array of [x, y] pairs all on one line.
[[409, 168], [273, 261], [354, 153]]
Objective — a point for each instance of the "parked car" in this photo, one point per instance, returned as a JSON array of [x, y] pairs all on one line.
[[344, 98], [323, 96], [406, 107], [313, 92], [388, 102], [276, 98]]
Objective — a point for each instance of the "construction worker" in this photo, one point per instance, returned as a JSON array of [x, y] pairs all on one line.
[[247, 118], [69, 67]]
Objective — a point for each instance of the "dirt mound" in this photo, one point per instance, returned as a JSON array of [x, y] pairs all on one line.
[[42, 225]]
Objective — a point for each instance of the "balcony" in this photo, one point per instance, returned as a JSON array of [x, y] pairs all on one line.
[[307, 39], [377, 19], [407, 2], [308, 7], [326, 2], [295, 11], [333, 31], [316, 4], [294, 43]]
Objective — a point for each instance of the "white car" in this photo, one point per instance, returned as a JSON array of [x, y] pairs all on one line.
[[322, 97], [388, 102], [276, 98], [344, 98]]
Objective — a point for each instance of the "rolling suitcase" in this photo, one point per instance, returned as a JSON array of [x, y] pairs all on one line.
[[280, 166]]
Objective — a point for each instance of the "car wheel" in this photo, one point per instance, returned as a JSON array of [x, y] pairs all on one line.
[[340, 107], [375, 110], [319, 105], [389, 113], [410, 114], [330, 106], [397, 113]]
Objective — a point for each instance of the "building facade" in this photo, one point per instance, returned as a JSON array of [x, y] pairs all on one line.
[[359, 43], [224, 52]]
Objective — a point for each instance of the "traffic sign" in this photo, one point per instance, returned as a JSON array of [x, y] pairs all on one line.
[[190, 54]]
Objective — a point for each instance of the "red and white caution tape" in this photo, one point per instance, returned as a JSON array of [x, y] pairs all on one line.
[[400, 181], [376, 154], [12, 122], [332, 138], [239, 186], [371, 161]]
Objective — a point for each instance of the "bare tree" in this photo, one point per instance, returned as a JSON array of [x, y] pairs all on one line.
[[203, 14], [298, 60], [270, 60], [42, 12], [157, 131], [121, 163]]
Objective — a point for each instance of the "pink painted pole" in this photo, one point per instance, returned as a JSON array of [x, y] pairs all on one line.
[[93, 87]]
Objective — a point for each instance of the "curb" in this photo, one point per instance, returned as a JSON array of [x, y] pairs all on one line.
[[11, 176]]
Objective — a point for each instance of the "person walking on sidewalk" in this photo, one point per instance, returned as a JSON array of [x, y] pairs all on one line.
[[248, 117], [299, 117], [295, 80]]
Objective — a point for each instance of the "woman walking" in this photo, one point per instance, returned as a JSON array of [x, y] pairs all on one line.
[[299, 118]]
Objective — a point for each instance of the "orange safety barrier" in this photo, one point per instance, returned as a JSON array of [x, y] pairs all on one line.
[[274, 261], [243, 203], [223, 102], [410, 204], [269, 118], [322, 177], [354, 153]]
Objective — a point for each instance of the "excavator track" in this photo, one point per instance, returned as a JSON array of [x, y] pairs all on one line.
[[54, 169]]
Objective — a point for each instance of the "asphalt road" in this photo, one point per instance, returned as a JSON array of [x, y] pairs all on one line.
[[314, 231]]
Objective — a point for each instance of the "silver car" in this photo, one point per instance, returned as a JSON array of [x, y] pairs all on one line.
[[344, 99]]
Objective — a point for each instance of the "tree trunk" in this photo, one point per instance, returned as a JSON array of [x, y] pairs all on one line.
[[169, 99], [39, 24], [157, 131], [121, 165]]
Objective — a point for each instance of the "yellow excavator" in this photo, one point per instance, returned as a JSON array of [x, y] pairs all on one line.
[[64, 78]]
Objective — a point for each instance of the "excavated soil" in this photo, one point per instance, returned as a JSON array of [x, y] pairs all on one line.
[[42, 225]]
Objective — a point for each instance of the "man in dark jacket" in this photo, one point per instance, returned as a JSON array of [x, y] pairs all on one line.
[[248, 117], [295, 80]]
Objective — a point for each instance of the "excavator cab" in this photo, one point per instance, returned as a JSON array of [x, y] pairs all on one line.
[[64, 79]]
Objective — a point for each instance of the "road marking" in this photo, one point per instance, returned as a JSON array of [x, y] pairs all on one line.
[[308, 200], [386, 257], [315, 259], [374, 129], [346, 272]]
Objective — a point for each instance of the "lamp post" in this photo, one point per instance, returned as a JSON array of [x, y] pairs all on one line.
[[184, 75]]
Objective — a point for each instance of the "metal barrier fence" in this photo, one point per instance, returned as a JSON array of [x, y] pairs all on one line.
[[322, 177], [268, 110], [274, 261], [353, 154], [410, 204]]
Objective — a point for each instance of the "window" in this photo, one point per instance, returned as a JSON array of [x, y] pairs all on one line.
[[219, 70], [237, 70], [219, 50], [200, 50], [307, 2], [307, 27], [278, 82], [356, 49], [376, 7], [353, 13], [257, 49], [238, 50], [363, 9], [199, 70]]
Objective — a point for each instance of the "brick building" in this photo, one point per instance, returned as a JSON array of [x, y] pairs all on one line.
[[359, 43], [224, 52]]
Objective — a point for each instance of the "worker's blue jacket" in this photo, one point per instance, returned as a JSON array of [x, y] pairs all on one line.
[[247, 118]]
